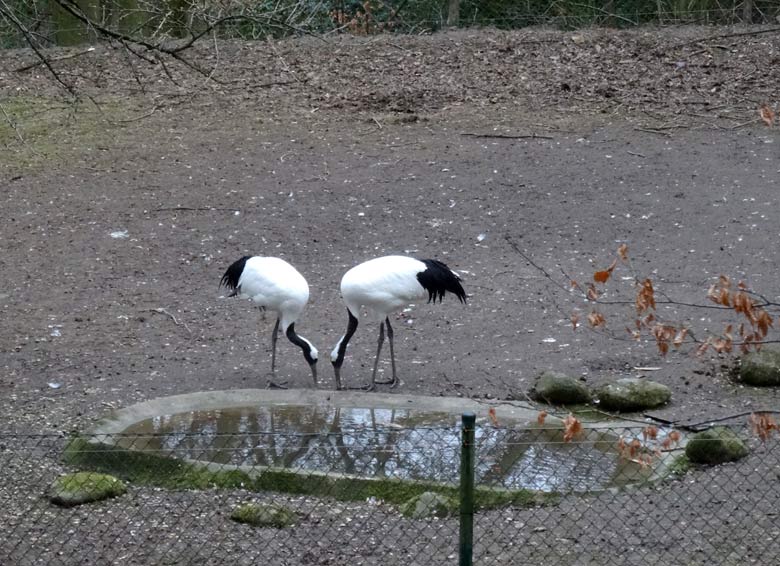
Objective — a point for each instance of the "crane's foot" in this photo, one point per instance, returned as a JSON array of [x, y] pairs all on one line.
[[276, 384], [369, 387], [390, 382]]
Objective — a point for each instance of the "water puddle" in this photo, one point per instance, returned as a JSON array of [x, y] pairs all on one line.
[[385, 443]]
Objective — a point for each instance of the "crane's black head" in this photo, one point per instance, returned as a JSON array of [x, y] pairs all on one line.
[[233, 275], [437, 279], [310, 353]]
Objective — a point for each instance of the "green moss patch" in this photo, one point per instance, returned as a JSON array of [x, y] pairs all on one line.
[[429, 504], [57, 129], [263, 515], [161, 471], [84, 487], [715, 446], [680, 465]]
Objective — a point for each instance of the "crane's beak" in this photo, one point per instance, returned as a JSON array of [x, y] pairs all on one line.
[[313, 367]]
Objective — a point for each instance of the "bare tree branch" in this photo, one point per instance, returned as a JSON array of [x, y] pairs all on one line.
[[7, 12], [74, 10], [55, 60]]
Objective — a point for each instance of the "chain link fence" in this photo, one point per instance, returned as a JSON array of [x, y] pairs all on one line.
[[603, 495], [68, 22]]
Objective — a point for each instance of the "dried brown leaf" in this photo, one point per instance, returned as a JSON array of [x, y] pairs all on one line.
[[571, 428], [596, 319], [767, 115]]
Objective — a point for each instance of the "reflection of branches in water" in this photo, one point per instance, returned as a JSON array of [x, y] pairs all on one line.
[[375, 443], [386, 449], [494, 467], [338, 436], [540, 460]]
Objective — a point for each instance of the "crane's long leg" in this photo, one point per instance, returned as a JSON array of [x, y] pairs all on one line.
[[394, 381], [274, 336], [392, 353], [378, 351]]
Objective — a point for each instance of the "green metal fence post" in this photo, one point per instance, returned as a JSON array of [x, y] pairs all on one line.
[[467, 450]]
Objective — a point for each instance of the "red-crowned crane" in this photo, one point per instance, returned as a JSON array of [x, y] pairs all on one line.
[[276, 286], [384, 285]]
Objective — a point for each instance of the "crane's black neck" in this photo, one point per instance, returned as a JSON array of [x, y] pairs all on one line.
[[352, 325], [301, 343]]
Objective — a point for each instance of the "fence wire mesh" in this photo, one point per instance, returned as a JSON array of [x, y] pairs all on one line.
[[386, 495]]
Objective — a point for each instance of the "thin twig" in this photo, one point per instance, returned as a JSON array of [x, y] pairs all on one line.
[[507, 136], [708, 422], [653, 131], [726, 35], [173, 318], [13, 126], [195, 209], [75, 10], [538, 267], [6, 11], [154, 109], [55, 60]]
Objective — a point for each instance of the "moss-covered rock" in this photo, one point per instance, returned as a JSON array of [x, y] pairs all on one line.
[[263, 515], [429, 504], [761, 369], [84, 487], [715, 446], [632, 394], [560, 389]]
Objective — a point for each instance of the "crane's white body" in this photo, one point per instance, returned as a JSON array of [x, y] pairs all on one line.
[[276, 286], [382, 286]]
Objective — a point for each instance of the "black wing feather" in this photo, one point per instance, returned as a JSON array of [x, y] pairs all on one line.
[[438, 279], [233, 274]]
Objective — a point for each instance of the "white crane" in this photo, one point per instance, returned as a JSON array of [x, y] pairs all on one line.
[[276, 286], [384, 285]]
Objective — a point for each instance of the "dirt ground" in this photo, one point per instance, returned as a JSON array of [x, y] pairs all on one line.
[[521, 159], [327, 154]]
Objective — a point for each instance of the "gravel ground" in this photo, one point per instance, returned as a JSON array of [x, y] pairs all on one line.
[[482, 148]]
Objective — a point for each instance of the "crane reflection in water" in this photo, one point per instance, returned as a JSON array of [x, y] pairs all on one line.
[[384, 443]]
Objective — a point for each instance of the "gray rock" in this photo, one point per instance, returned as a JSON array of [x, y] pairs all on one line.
[[632, 394], [263, 515], [715, 446], [560, 389], [429, 504], [84, 487], [761, 368]]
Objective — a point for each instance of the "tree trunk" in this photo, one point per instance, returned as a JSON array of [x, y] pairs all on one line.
[[747, 11], [453, 13], [609, 9]]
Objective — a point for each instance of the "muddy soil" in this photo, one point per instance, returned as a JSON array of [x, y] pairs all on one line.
[[521, 159]]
